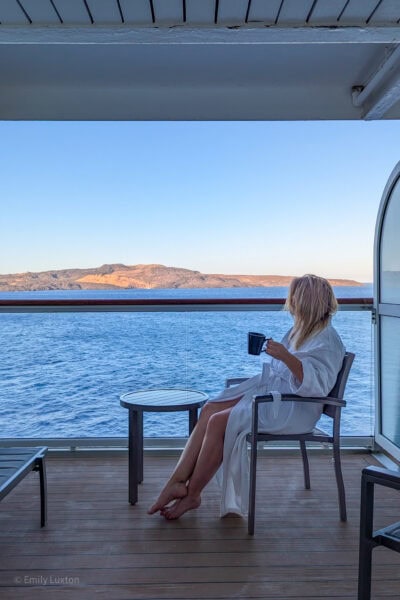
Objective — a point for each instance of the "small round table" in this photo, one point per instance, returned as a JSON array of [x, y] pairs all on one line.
[[155, 400]]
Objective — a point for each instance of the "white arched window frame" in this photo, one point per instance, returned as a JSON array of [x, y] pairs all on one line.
[[387, 310]]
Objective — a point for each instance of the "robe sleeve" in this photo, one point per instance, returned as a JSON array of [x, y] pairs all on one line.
[[321, 365]]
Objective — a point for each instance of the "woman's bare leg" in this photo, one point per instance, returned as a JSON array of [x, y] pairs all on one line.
[[209, 459], [176, 486]]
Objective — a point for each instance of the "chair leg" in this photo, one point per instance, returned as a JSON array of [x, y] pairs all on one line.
[[366, 542], [252, 488], [306, 465], [364, 571], [339, 482]]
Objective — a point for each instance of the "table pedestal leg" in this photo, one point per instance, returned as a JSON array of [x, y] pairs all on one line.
[[140, 447], [193, 412], [135, 454]]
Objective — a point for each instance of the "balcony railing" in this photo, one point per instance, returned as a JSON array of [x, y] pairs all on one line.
[[162, 304], [63, 371]]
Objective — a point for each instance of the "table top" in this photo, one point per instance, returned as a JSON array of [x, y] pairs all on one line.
[[163, 399]]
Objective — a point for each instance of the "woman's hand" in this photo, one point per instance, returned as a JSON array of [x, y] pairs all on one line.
[[280, 352], [276, 350]]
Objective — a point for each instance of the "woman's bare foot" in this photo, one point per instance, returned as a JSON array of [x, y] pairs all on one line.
[[181, 506], [172, 491]]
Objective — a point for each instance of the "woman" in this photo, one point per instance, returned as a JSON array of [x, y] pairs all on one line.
[[305, 363]]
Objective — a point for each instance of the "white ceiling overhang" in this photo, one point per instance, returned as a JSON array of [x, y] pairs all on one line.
[[199, 59]]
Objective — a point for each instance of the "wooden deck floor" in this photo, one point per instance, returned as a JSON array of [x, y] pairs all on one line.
[[98, 546]]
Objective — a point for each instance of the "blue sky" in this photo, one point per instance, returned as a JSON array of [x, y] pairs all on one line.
[[223, 197]]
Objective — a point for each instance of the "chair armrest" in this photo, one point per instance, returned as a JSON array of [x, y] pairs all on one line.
[[289, 398], [382, 476], [235, 381], [293, 397]]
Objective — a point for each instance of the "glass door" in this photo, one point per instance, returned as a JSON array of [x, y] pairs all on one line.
[[387, 306]]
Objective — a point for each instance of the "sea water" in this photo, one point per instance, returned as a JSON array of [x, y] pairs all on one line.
[[62, 374]]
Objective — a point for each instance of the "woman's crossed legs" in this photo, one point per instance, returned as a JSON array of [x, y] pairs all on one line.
[[198, 463]]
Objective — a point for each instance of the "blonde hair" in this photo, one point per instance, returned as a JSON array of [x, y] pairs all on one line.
[[312, 302]]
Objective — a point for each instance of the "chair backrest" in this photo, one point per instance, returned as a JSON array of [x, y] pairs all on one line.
[[338, 389]]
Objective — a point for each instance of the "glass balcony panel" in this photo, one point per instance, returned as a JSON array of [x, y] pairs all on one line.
[[355, 329], [61, 374], [390, 378]]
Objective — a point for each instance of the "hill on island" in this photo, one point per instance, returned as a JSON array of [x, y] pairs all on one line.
[[118, 276]]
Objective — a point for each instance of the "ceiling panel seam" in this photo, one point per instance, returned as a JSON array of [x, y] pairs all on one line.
[[153, 14], [374, 11], [88, 11], [311, 11], [247, 12], [24, 11], [120, 11], [279, 12], [56, 11], [343, 9]]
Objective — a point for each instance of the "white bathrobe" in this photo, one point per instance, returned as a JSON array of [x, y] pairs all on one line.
[[321, 356]]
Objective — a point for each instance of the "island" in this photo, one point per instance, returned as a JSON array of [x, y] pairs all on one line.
[[150, 276]]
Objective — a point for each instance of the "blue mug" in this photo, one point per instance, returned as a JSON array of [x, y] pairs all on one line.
[[255, 342]]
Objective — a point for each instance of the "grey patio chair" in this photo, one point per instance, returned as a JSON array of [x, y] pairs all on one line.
[[332, 406], [388, 536], [17, 463]]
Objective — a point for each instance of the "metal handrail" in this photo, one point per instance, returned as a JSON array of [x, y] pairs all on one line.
[[161, 304]]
